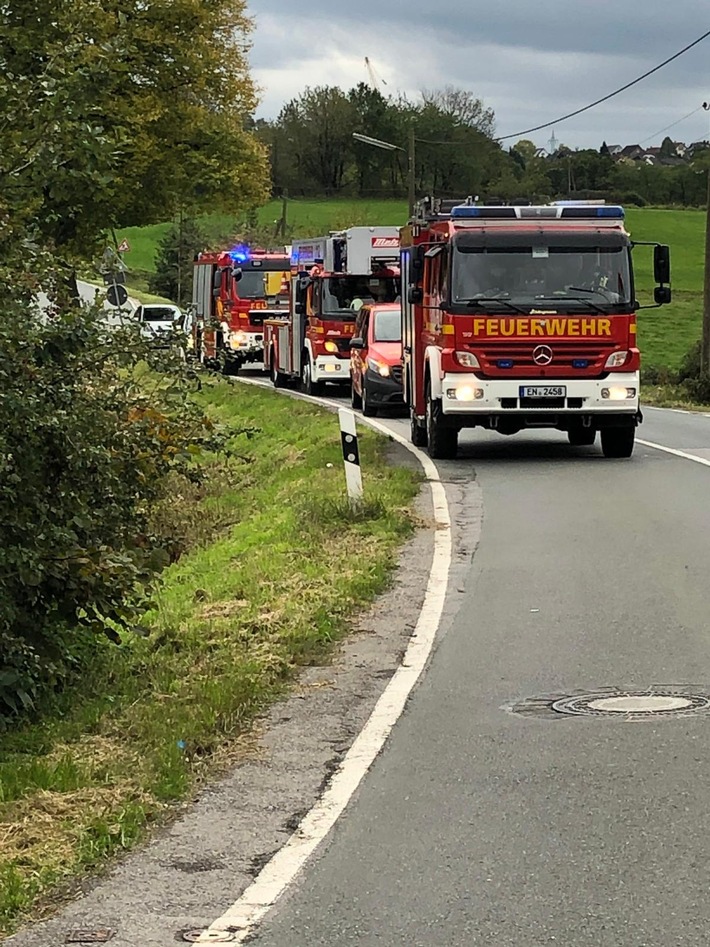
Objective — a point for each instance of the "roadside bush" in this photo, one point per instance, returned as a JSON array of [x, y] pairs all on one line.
[[690, 365], [88, 438], [658, 375]]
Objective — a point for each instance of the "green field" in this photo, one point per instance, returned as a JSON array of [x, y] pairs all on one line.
[[665, 334]]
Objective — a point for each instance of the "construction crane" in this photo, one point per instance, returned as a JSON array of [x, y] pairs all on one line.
[[375, 80]]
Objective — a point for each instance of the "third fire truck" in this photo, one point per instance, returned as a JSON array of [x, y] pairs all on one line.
[[233, 292], [331, 278], [522, 317]]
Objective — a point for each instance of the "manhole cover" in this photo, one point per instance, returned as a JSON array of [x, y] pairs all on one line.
[[99, 935], [657, 701], [206, 936]]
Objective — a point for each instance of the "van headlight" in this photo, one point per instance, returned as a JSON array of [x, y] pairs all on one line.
[[380, 367]]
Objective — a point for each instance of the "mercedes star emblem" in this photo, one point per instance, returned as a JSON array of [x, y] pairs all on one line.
[[542, 355]]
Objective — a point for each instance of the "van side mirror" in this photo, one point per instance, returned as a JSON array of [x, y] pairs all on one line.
[[415, 295], [662, 264], [357, 343], [662, 295]]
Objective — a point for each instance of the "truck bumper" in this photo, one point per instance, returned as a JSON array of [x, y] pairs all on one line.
[[249, 349], [469, 401], [332, 368]]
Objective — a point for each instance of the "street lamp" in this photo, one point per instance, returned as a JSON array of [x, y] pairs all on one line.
[[388, 146]]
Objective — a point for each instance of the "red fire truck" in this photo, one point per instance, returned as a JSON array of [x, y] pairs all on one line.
[[521, 317], [232, 293], [331, 278]]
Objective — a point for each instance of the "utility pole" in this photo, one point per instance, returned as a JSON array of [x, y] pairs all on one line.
[[412, 178], [705, 342]]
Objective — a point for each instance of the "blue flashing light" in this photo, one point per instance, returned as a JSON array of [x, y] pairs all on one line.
[[613, 210], [240, 254], [465, 210], [580, 363], [505, 363]]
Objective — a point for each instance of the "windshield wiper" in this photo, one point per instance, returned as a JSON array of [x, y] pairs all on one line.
[[576, 299], [495, 299]]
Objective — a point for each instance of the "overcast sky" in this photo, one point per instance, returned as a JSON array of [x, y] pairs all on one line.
[[529, 60]]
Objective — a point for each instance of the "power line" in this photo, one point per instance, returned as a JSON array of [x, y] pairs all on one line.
[[672, 125], [611, 95]]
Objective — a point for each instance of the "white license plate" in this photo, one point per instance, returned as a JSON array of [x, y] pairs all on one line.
[[543, 391]]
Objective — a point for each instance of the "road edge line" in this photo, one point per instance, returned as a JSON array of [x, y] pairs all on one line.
[[674, 451], [242, 917]]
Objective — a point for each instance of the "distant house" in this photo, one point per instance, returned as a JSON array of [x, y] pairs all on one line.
[[615, 150], [633, 152]]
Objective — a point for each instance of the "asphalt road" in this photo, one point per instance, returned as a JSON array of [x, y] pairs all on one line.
[[478, 825], [488, 818]]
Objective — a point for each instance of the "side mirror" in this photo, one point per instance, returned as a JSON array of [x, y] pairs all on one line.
[[357, 343], [415, 295], [237, 273], [662, 264], [217, 283], [662, 295], [300, 309]]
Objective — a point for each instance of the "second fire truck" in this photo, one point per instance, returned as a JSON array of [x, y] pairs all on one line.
[[331, 278], [232, 293], [522, 317]]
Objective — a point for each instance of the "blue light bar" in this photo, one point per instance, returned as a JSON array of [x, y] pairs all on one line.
[[240, 254], [464, 211]]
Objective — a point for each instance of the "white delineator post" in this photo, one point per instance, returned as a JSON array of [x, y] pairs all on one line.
[[351, 456]]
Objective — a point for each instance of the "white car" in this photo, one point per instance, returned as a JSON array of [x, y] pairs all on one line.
[[158, 318]]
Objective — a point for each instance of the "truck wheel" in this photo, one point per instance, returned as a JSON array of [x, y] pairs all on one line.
[[442, 442], [618, 441], [355, 399], [367, 409], [230, 366], [278, 379], [582, 436], [308, 386]]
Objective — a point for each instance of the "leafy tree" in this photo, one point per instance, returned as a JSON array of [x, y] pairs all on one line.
[[117, 111], [174, 261]]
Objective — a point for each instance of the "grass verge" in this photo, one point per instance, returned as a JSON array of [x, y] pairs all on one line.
[[281, 568]]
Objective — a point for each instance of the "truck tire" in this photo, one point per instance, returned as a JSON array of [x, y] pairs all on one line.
[[278, 379], [442, 442], [308, 386], [230, 366], [367, 409], [355, 399], [582, 436], [618, 441]]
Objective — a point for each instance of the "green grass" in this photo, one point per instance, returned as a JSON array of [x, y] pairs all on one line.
[[664, 334], [233, 621]]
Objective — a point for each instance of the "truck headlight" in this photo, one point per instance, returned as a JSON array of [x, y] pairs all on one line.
[[616, 359], [378, 367], [617, 393], [237, 339], [467, 360], [330, 347]]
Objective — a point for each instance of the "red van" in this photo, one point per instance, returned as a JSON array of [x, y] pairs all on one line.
[[376, 358]]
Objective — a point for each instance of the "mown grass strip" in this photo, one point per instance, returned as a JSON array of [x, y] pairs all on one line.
[[271, 587]]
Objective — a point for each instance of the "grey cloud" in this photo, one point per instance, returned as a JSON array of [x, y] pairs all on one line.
[[530, 61]]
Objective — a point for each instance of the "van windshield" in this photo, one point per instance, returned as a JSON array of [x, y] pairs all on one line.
[[387, 327]]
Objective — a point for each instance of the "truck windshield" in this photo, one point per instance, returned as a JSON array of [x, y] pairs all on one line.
[[525, 276], [343, 295], [388, 326], [251, 285]]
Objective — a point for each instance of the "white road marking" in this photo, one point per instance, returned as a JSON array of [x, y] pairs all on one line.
[[276, 876], [675, 452]]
